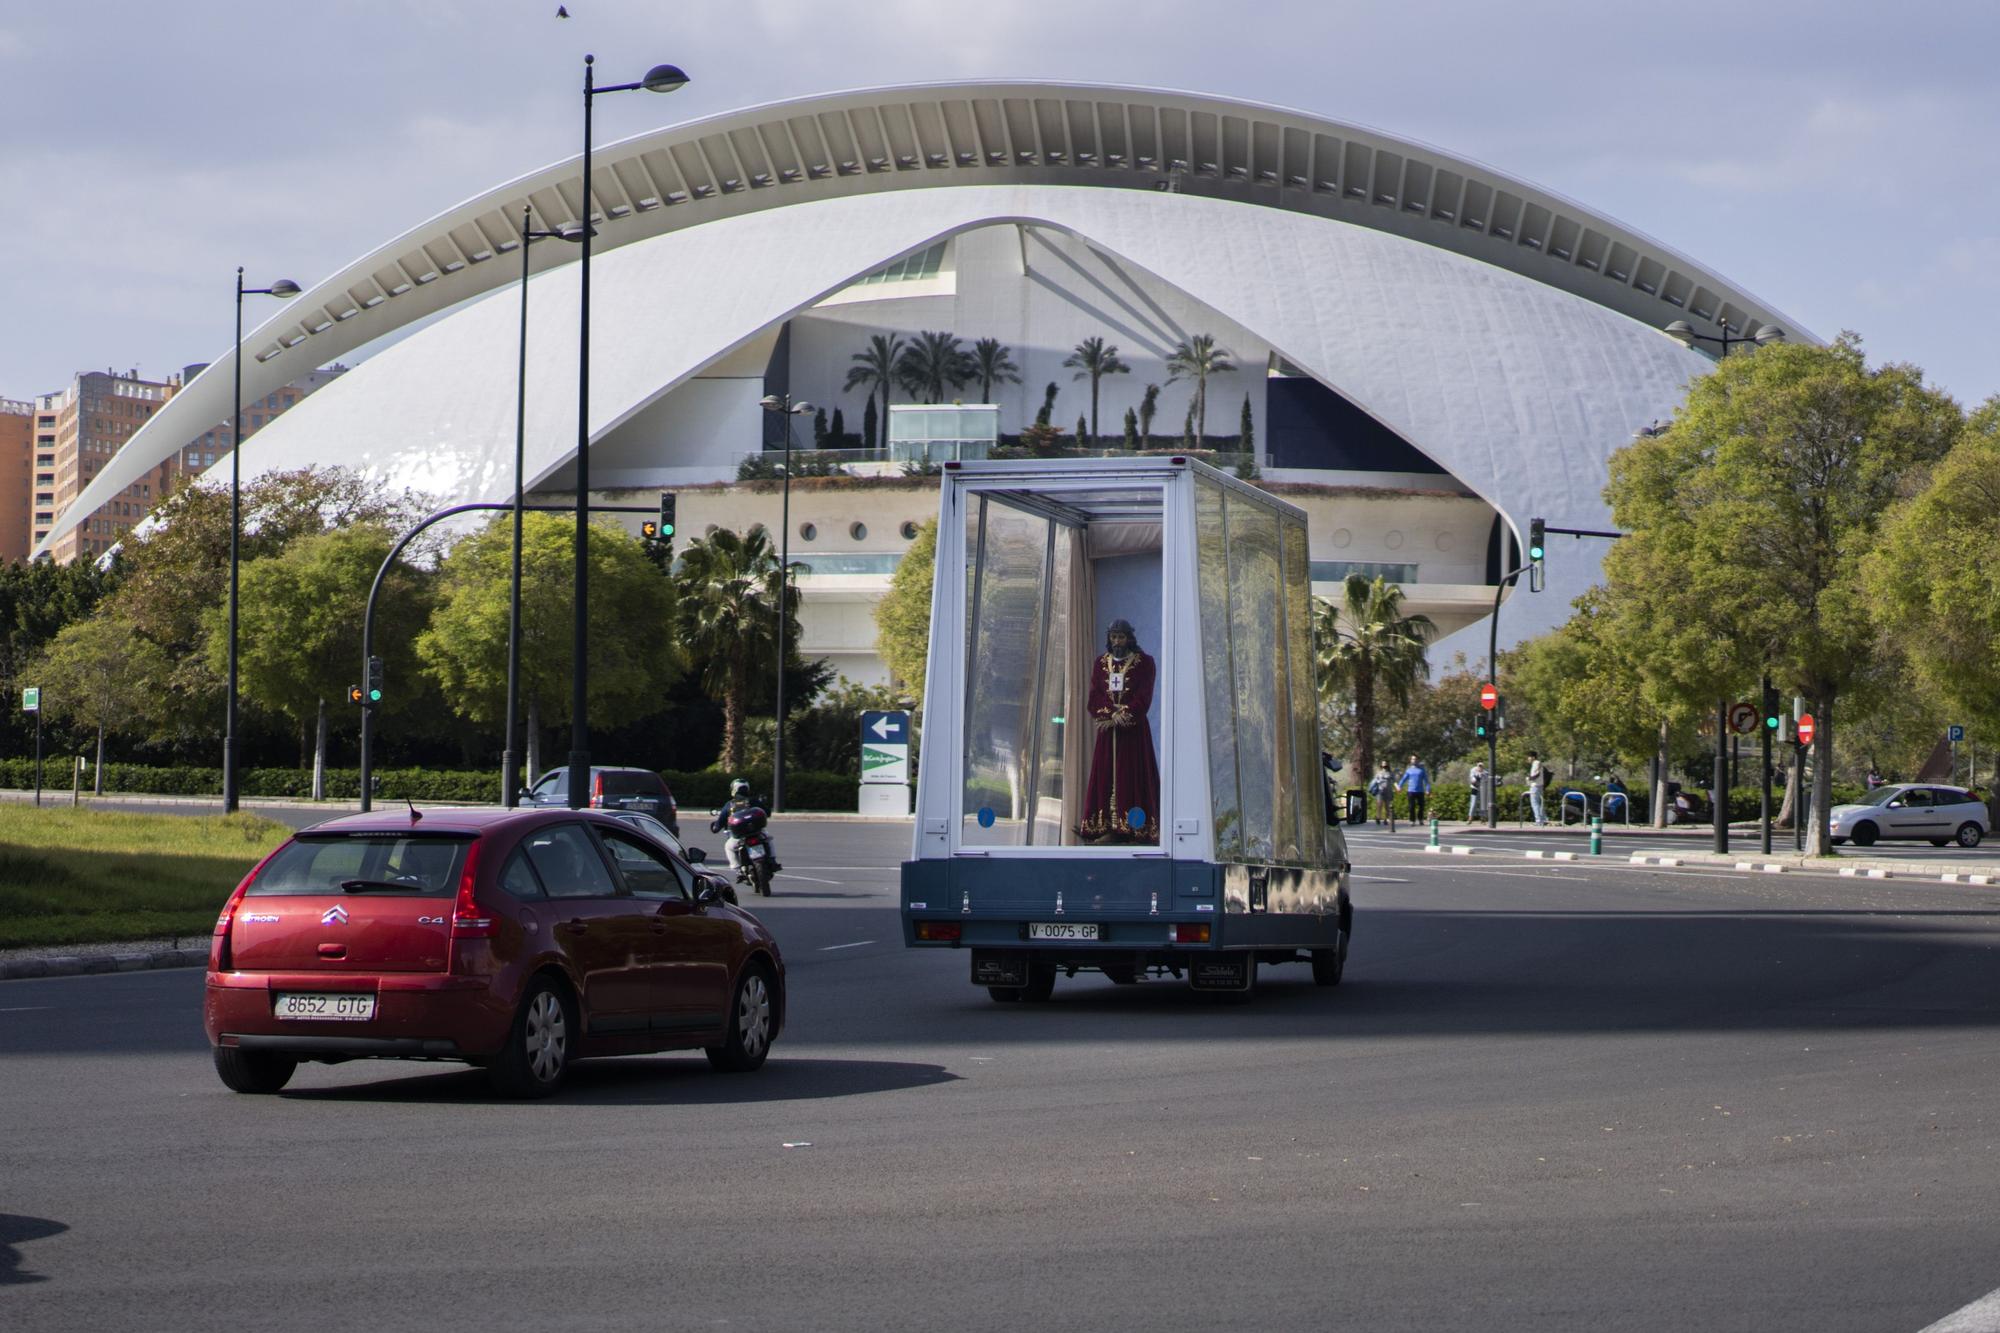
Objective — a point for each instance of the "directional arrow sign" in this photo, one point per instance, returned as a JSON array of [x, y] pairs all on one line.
[[885, 747]]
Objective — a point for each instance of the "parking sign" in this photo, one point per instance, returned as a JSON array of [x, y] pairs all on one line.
[[1957, 733]]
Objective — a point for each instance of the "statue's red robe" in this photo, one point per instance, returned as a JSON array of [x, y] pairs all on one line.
[[1124, 774]]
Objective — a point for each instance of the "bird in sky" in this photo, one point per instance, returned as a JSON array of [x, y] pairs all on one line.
[[562, 11]]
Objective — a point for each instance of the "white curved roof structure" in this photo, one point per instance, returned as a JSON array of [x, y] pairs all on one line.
[[1509, 332]]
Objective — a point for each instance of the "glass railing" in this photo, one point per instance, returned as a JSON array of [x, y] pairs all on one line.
[[922, 457], [1337, 571], [810, 563]]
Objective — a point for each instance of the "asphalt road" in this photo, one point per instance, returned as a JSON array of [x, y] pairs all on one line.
[[1578, 1096]]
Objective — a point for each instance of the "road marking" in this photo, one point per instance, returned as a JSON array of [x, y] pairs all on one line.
[[1982, 1316], [808, 878], [1539, 855], [1858, 872], [1766, 867], [1966, 879], [23, 1008], [829, 948], [1385, 879]]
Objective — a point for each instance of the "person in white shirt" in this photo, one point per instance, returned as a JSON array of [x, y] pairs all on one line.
[[1478, 780], [1538, 785]]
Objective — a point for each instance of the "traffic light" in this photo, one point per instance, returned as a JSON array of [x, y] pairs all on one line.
[[1773, 715], [373, 694], [666, 516], [1479, 727], [1537, 548], [354, 694]]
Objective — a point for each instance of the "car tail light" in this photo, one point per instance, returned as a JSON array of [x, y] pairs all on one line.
[[1191, 932], [597, 789], [467, 922], [944, 932], [218, 948]]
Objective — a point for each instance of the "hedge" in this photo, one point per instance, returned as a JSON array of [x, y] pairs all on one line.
[[704, 789]]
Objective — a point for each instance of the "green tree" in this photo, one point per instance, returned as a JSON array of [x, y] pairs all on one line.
[[1149, 406], [1366, 648], [838, 431], [1247, 431], [1935, 577], [870, 426], [1749, 518], [727, 621], [36, 602], [1083, 440], [993, 363], [1047, 413], [96, 674], [635, 656], [1093, 359], [903, 616], [875, 370], [827, 736], [819, 428], [299, 637], [1584, 691], [1198, 359], [934, 365], [1131, 440]]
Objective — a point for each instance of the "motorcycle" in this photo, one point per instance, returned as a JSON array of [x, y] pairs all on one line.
[[750, 848]]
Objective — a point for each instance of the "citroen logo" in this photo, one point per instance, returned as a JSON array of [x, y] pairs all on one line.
[[335, 915]]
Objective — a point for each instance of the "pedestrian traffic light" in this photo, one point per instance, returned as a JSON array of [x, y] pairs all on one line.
[[374, 690], [1773, 715], [1537, 548]]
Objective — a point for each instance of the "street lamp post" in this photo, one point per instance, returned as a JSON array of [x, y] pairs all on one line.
[[1683, 333], [509, 793], [284, 289], [659, 79], [782, 404]]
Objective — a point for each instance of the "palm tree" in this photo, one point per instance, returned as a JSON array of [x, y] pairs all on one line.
[[727, 599], [1148, 405], [935, 360], [993, 361], [875, 369], [1092, 359], [1365, 646], [1197, 358]]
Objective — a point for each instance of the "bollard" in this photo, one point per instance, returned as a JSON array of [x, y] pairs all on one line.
[[1434, 831], [1597, 836]]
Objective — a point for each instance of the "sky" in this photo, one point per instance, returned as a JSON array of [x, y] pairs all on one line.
[[1840, 160]]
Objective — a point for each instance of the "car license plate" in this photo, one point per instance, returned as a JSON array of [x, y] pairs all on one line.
[[757, 852], [348, 1008], [1060, 930]]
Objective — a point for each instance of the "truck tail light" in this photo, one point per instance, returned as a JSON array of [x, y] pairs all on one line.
[[943, 932], [1191, 932]]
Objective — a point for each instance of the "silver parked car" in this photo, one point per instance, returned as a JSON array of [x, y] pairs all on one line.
[[1940, 815]]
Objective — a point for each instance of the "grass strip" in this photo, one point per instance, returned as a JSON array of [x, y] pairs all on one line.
[[80, 876]]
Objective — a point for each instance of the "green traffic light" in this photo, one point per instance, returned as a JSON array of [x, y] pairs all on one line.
[[666, 529], [374, 696]]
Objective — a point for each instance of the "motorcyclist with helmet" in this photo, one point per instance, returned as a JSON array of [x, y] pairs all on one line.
[[739, 800]]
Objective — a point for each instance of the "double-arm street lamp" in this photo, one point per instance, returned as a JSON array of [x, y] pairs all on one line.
[[659, 79], [284, 289], [1683, 333], [510, 795], [786, 409]]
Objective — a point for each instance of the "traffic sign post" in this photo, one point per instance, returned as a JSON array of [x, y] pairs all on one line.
[[31, 702], [1742, 719], [1489, 699], [1806, 729], [885, 762]]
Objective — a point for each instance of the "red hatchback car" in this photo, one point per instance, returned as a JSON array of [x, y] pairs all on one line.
[[515, 940]]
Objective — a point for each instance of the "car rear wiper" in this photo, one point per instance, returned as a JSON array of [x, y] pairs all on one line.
[[405, 886]]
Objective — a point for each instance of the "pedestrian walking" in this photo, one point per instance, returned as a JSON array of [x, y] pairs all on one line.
[[1380, 788], [1415, 785], [1538, 788], [1473, 805]]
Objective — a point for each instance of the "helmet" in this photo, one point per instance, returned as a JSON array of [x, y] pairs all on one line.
[[739, 788]]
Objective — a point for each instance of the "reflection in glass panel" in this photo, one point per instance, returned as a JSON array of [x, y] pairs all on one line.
[[1253, 620], [1006, 611], [1284, 765], [1052, 716], [1311, 784], [1218, 696]]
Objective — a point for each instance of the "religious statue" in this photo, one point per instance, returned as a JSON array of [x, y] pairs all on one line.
[[1122, 801]]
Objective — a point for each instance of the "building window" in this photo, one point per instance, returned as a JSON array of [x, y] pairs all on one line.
[[909, 530], [858, 531], [807, 532]]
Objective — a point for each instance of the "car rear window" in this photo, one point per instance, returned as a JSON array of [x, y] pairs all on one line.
[[632, 784], [388, 863]]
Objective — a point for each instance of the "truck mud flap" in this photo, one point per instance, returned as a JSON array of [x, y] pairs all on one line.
[[998, 968], [1229, 971]]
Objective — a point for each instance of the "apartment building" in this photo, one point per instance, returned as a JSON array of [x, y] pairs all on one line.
[[17, 458]]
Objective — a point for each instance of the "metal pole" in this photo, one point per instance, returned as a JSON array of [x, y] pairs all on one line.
[[1799, 797], [579, 695], [235, 527], [1492, 728], [1764, 800], [1721, 793], [40, 704], [784, 586], [509, 791]]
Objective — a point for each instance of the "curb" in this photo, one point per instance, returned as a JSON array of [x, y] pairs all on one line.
[[15, 969]]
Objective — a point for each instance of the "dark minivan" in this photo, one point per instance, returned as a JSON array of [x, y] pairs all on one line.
[[638, 789]]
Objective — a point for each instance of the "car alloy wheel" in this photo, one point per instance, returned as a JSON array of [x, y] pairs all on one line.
[[545, 1038], [1969, 834]]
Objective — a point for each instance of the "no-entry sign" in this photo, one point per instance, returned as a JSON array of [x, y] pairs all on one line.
[[1488, 696], [1806, 729]]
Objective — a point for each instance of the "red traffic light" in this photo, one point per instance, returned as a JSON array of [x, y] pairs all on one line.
[[1489, 697]]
